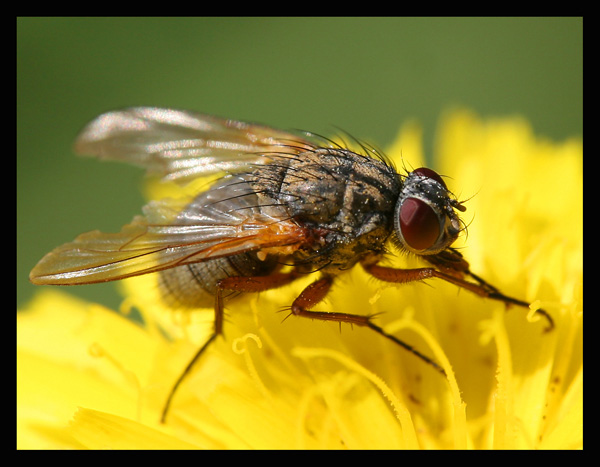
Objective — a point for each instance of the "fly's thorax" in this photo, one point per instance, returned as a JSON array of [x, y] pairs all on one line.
[[347, 200]]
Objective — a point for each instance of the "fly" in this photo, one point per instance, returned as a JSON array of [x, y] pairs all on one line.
[[292, 200]]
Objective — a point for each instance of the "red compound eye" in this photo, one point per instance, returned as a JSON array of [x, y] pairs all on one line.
[[419, 224], [425, 172]]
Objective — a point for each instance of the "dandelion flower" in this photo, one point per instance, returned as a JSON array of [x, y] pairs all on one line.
[[88, 377]]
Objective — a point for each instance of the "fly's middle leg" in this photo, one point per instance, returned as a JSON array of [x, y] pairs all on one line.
[[317, 291]]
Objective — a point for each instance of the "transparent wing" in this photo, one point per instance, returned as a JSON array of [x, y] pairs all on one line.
[[179, 144], [223, 221]]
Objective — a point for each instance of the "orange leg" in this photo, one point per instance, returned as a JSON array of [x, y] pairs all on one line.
[[481, 288], [317, 291]]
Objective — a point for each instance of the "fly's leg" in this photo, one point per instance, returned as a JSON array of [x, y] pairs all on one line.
[[217, 329], [317, 291], [237, 284], [185, 372], [481, 288]]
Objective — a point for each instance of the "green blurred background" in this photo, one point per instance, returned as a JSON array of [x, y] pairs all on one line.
[[364, 75]]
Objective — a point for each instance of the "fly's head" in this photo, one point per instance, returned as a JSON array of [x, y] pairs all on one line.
[[425, 219]]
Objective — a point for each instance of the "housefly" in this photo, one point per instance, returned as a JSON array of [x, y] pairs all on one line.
[[287, 199]]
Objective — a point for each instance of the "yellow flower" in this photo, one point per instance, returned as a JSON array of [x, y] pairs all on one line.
[[89, 378]]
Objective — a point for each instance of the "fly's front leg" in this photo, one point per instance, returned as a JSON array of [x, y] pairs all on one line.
[[481, 288], [317, 291], [237, 284]]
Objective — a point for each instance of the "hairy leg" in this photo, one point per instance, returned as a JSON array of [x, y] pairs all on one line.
[[317, 291], [481, 288]]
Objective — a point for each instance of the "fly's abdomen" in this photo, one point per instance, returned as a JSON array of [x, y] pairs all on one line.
[[195, 285], [218, 213]]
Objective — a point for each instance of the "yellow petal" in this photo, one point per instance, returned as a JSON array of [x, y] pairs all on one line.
[[99, 430]]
